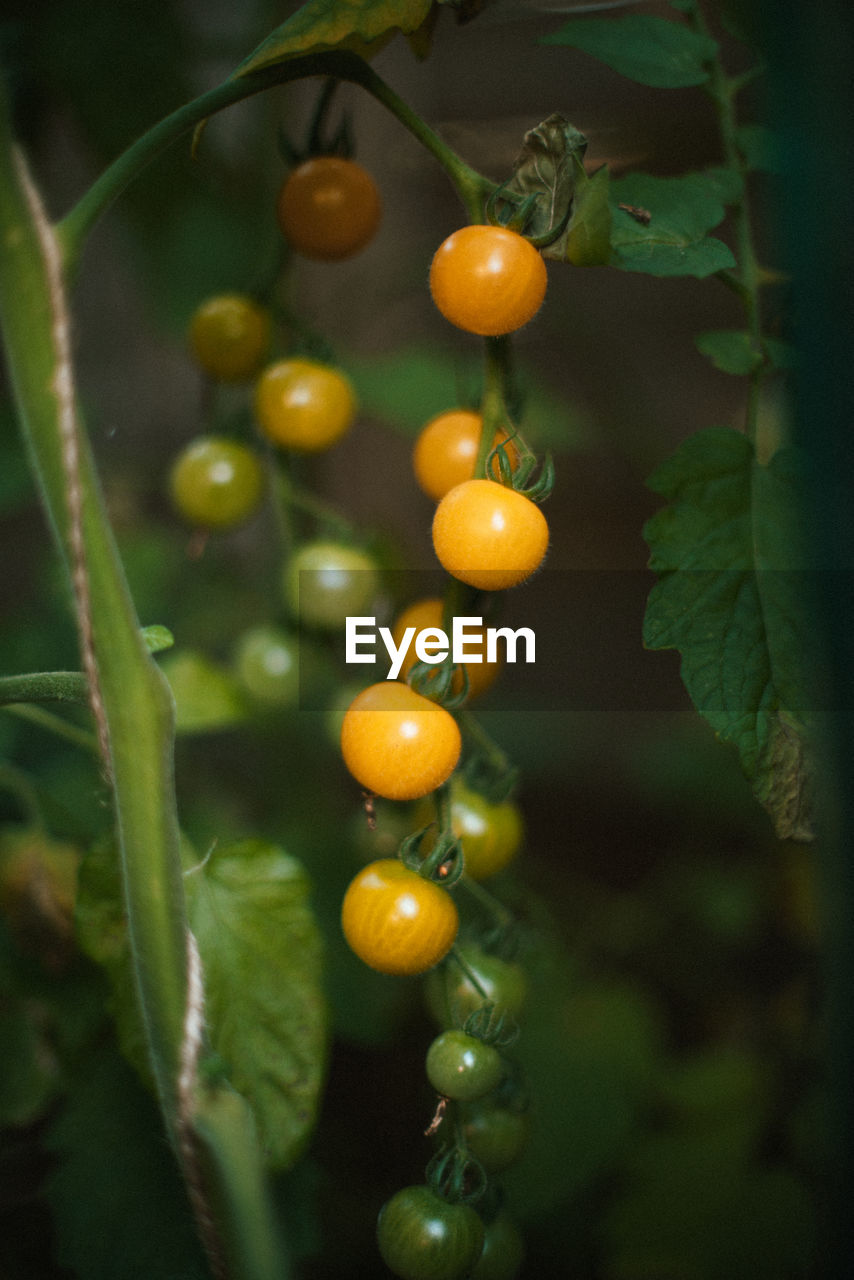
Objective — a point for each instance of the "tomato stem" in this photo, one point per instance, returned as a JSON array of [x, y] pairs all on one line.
[[73, 229]]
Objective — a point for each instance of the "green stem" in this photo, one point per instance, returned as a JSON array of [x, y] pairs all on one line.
[[45, 686], [131, 702], [498, 396], [487, 902], [75, 226], [487, 745], [745, 279], [53, 724]]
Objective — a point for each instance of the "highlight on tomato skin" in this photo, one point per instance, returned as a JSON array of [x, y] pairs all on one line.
[[303, 405], [397, 743], [488, 535], [396, 921]]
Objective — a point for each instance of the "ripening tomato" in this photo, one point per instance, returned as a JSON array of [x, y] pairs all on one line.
[[422, 1237], [325, 582], [428, 613], [451, 995], [488, 535], [229, 336], [445, 452], [495, 1135], [397, 743], [329, 208], [267, 663], [216, 483], [303, 405], [488, 280], [489, 834], [397, 921]]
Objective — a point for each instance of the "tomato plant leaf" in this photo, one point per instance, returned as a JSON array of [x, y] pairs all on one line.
[[260, 949], [545, 175], [261, 955], [727, 550], [660, 224], [729, 350], [760, 147], [207, 696], [653, 51], [588, 236], [119, 1207], [362, 26]]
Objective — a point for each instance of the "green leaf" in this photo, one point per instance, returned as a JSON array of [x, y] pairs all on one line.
[[729, 350], [588, 238], [119, 1207], [660, 224], [652, 51], [730, 597], [761, 148], [362, 26], [261, 956], [260, 949], [544, 180], [207, 696], [157, 638]]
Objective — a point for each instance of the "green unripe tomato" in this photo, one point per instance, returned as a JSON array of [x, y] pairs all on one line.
[[267, 663], [451, 996], [495, 1135], [503, 1251], [422, 1237], [229, 336], [462, 1067], [216, 483], [327, 582], [489, 834]]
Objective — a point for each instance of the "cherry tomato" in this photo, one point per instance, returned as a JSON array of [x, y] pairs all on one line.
[[451, 996], [325, 582], [488, 535], [503, 1251], [462, 1067], [329, 208], [446, 451], [397, 743], [495, 1135], [422, 1237], [303, 405], [266, 660], [396, 921], [216, 483], [229, 336], [488, 280], [428, 613], [490, 834]]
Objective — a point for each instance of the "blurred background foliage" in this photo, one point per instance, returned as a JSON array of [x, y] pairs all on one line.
[[672, 1039]]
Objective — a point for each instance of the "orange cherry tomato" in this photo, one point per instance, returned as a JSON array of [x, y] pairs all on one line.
[[488, 280], [488, 535], [397, 743], [446, 451], [329, 208], [397, 921], [428, 613]]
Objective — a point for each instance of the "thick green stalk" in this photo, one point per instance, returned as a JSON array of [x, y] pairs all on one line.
[[134, 717]]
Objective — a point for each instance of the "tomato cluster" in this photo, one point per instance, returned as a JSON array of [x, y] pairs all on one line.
[[400, 739]]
